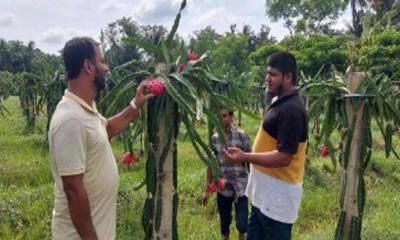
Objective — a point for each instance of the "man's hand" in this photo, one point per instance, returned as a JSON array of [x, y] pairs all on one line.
[[204, 198], [234, 155], [142, 94], [117, 123]]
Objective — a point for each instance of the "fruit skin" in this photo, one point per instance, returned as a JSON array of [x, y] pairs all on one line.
[[129, 158], [193, 56], [156, 87], [181, 67], [324, 151], [212, 188]]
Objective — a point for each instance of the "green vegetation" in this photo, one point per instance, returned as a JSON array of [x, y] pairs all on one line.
[[26, 189]]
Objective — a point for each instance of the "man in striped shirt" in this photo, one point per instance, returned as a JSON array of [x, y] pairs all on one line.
[[235, 177]]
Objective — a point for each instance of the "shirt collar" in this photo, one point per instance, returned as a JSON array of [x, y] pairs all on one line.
[[285, 96], [80, 101]]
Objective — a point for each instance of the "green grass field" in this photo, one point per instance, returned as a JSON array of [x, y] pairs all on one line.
[[26, 190]]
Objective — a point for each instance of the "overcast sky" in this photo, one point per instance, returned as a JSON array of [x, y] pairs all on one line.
[[49, 23]]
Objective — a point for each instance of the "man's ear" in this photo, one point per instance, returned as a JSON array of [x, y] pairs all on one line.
[[288, 78], [88, 66]]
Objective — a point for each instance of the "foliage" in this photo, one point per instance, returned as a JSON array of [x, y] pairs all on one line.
[[316, 52], [378, 98], [26, 190], [162, 116], [204, 40], [229, 57], [311, 16], [6, 88], [380, 54]]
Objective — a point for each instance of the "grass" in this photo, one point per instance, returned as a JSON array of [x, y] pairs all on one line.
[[26, 190]]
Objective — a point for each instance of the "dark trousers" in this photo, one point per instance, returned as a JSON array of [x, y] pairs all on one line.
[[262, 227], [225, 213]]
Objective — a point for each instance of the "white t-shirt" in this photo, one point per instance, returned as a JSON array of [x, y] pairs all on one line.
[[79, 144], [276, 199]]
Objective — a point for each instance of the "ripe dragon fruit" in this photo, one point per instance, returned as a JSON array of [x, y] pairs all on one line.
[[129, 158], [212, 188], [181, 67], [324, 151], [193, 56], [156, 87]]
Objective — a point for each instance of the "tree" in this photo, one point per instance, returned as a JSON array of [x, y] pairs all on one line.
[[6, 89], [263, 36], [311, 16], [204, 41], [229, 57], [317, 51], [381, 53], [349, 106]]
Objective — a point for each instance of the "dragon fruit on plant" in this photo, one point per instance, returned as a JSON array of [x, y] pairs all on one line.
[[129, 158], [324, 151], [193, 56], [181, 67], [156, 87]]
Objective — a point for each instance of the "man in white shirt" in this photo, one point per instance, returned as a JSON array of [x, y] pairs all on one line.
[[82, 162]]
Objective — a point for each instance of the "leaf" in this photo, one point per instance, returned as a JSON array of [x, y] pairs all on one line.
[[196, 142], [177, 97], [165, 52], [186, 83], [176, 25], [145, 45], [388, 140]]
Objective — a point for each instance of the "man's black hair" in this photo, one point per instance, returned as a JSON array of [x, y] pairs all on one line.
[[75, 52], [285, 62]]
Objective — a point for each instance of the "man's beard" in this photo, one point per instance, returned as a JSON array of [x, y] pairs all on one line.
[[277, 92], [100, 81]]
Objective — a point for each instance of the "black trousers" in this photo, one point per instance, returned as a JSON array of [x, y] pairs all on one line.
[[225, 205]]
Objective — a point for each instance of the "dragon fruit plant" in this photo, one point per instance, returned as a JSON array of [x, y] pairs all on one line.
[[349, 106], [179, 81]]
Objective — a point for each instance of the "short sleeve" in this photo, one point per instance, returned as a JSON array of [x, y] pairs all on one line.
[[69, 148], [214, 143], [246, 143], [290, 128]]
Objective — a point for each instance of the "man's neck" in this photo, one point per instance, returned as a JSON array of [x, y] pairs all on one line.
[[286, 91], [228, 130], [81, 88]]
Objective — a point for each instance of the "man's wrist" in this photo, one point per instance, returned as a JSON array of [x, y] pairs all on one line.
[[246, 157], [134, 105]]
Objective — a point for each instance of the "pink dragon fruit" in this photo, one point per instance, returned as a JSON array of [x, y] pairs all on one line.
[[127, 158], [181, 67], [324, 151], [156, 87], [212, 188], [193, 56]]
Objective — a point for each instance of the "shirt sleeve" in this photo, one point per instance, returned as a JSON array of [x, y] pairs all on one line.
[[69, 148], [214, 142], [246, 143], [289, 131]]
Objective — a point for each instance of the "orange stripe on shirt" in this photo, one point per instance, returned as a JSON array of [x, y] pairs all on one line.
[[294, 173]]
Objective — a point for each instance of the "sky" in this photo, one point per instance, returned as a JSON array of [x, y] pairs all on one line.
[[50, 23]]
